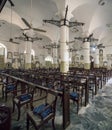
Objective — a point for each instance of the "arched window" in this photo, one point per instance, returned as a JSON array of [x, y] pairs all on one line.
[[3, 51], [49, 58], [32, 52]]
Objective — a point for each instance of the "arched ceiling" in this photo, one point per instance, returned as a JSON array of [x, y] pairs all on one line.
[[97, 18]]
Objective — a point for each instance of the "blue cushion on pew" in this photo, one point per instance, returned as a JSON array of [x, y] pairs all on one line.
[[40, 108], [50, 85], [10, 87], [25, 97], [59, 89], [73, 95]]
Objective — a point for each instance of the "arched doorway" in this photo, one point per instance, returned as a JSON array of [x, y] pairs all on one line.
[[3, 55], [92, 62], [49, 61]]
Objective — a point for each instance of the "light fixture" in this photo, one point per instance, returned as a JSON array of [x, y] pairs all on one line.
[[93, 49]]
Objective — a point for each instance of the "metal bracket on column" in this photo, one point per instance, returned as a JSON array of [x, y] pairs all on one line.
[[54, 22], [72, 24], [87, 39]]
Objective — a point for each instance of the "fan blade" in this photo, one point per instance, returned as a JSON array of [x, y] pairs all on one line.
[[20, 38], [3, 40], [72, 49], [10, 40], [15, 42], [27, 24], [25, 29], [37, 29], [79, 38], [36, 38], [72, 24], [71, 42], [90, 35], [93, 40], [100, 44], [11, 3]]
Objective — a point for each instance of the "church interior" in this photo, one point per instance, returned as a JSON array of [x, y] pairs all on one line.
[[55, 64]]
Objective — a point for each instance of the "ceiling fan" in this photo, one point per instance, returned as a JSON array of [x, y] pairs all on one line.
[[70, 42], [102, 46], [75, 50], [72, 49], [54, 45], [87, 39], [99, 46], [10, 41], [46, 47], [29, 25], [65, 21], [28, 38]]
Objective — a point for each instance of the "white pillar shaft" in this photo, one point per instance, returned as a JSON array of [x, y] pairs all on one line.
[[104, 56], [64, 54], [55, 55], [86, 52], [97, 56], [28, 48], [63, 47]]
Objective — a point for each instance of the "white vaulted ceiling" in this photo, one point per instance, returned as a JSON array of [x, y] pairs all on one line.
[[97, 18]]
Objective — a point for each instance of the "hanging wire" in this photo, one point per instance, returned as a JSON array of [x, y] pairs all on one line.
[[11, 24], [31, 11]]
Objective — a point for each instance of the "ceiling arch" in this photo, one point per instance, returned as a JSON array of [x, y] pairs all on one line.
[[16, 19], [101, 17], [95, 17]]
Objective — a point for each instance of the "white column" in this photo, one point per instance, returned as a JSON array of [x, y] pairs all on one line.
[[28, 48], [96, 61], [64, 53], [70, 58], [55, 57], [105, 59], [86, 53]]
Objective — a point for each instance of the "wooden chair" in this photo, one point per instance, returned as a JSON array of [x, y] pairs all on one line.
[[23, 97], [9, 87], [44, 112], [76, 95], [5, 118]]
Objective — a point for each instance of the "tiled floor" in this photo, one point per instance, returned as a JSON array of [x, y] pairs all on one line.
[[97, 115]]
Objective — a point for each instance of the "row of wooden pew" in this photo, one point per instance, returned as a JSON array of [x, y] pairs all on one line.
[[75, 85]]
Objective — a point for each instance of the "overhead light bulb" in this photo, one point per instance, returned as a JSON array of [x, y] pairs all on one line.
[[93, 49]]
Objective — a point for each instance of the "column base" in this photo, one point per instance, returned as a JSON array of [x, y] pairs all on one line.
[[55, 65], [64, 67], [27, 65], [87, 66], [96, 66], [109, 68], [48, 64]]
